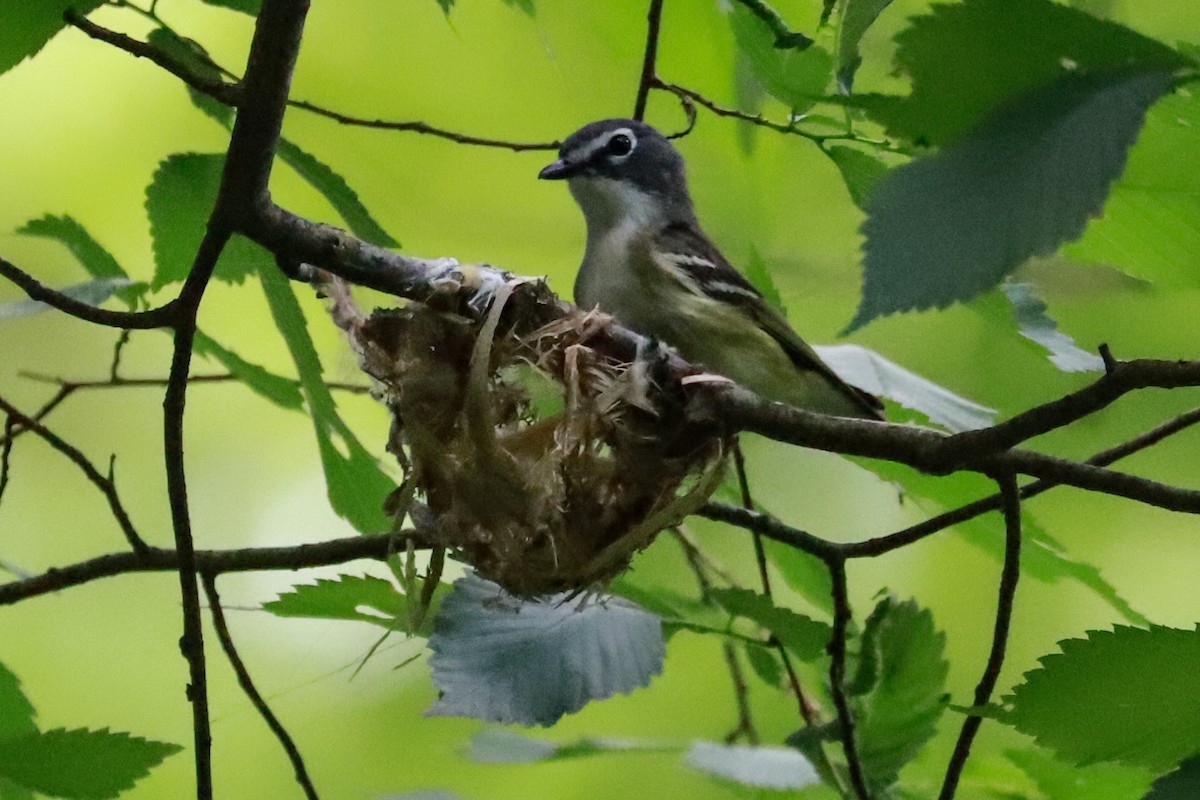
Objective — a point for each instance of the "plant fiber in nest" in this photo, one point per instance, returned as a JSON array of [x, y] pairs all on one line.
[[537, 503]]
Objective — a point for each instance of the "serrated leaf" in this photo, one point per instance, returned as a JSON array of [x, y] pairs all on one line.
[[276, 388], [946, 227], [500, 659], [873, 373], [1182, 784], [16, 712], [861, 172], [763, 767], [93, 293], [758, 274], [333, 187], [765, 664], [500, 746], [179, 200], [797, 78], [1029, 312], [357, 486], [29, 26], [857, 17], [1068, 782], [341, 598], [98, 262], [80, 764], [805, 637], [968, 59], [905, 693], [677, 611], [1151, 223], [1106, 698], [251, 7]]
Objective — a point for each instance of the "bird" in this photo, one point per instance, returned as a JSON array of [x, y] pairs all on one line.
[[648, 263]]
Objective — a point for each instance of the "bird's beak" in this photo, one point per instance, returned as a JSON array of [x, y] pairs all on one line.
[[557, 171]]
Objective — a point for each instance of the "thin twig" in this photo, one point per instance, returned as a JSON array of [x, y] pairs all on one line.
[[837, 675], [6, 452], [421, 127], [647, 78], [1009, 577], [133, 383], [247, 684], [741, 693], [76, 457], [118, 349]]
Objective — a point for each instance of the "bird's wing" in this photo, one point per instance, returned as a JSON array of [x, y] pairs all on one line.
[[697, 264]]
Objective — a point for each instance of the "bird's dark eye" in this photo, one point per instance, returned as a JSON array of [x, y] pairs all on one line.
[[620, 145]]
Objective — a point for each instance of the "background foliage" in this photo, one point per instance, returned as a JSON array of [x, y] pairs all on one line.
[[97, 127]]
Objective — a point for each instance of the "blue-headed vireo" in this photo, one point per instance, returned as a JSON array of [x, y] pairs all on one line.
[[648, 263]]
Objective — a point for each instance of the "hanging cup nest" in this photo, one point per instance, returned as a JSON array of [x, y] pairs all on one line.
[[538, 501]]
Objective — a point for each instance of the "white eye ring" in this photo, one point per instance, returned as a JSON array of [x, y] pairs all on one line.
[[620, 145]]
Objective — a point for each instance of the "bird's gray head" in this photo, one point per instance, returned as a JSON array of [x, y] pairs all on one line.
[[621, 168]]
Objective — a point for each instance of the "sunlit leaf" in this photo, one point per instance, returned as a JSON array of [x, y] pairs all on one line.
[[860, 170], [93, 293], [179, 200], [857, 17], [500, 659], [968, 59], [873, 373], [899, 702], [341, 598], [764, 767], [946, 227], [279, 390], [1061, 781], [80, 764], [1108, 698], [1182, 784], [796, 78], [1151, 223], [804, 574], [805, 637], [357, 485], [28, 26], [1035, 324]]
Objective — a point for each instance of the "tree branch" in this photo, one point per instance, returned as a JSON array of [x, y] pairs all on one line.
[[160, 317], [837, 675], [1009, 577], [247, 684], [649, 75]]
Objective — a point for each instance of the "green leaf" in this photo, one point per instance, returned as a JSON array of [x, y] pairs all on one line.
[[951, 225], [758, 274], [765, 664], [16, 712], [764, 767], [805, 637], [196, 58], [500, 746], [28, 26], [1029, 311], [524, 5], [341, 598], [93, 293], [861, 172], [1151, 223], [357, 485], [279, 390], [901, 685], [333, 187], [446, 5], [1108, 698], [251, 7], [1068, 782], [677, 611], [804, 574], [873, 373], [80, 764], [500, 659], [968, 59], [179, 200], [797, 78], [857, 17], [1043, 558], [98, 262], [1182, 784]]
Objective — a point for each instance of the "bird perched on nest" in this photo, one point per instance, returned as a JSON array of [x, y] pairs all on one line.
[[649, 264]]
